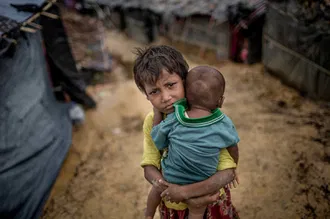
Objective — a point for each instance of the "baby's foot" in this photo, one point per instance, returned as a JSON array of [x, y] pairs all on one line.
[[147, 217]]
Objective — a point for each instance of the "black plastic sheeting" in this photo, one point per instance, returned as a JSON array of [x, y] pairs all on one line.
[[297, 52], [35, 131], [61, 62]]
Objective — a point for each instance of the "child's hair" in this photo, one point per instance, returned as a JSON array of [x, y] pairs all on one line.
[[150, 62], [204, 87]]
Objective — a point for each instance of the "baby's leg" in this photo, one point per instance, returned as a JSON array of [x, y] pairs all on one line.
[[152, 203], [196, 213], [197, 206]]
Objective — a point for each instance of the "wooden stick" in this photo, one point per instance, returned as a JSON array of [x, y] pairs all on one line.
[[35, 16], [11, 39], [27, 29], [47, 6], [38, 26], [50, 15]]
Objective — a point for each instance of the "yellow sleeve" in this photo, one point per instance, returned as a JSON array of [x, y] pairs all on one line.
[[225, 160], [151, 155]]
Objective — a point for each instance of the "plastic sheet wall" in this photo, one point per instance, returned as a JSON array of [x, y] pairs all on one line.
[[297, 53], [35, 131]]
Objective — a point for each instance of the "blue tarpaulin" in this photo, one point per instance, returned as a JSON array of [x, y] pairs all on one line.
[[8, 11], [35, 129], [35, 132]]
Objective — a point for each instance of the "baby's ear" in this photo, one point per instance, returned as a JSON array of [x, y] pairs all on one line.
[[221, 100]]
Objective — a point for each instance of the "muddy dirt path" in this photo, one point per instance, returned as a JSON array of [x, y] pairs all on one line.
[[284, 170]]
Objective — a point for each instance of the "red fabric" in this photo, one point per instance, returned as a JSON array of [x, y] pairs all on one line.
[[236, 41], [222, 209]]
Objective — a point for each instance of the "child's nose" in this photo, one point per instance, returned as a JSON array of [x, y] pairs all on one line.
[[166, 97]]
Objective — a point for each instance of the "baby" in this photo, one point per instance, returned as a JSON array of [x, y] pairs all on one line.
[[194, 135]]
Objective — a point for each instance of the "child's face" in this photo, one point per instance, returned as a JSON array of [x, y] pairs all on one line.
[[166, 91]]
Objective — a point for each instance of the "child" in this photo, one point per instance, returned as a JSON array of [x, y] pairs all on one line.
[[159, 72], [196, 135]]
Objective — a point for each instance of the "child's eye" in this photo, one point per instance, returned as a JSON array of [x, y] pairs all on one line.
[[153, 92], [171, 84]]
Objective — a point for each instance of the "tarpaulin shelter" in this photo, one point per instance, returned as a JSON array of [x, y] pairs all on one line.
[[208, 23], [201, 23], [136, 17], [296, 46], [35, 129], [193, 23], [180, 20]]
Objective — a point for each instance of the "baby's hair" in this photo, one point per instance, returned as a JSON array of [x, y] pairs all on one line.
[[150, 62], [204, 87]]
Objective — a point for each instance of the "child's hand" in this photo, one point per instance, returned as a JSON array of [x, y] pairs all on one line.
[[158, 117], [235, 182], [159, 185], [203, 200], [156, 111], [173, 193]]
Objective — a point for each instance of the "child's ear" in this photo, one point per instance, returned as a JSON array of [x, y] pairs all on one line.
[[221, 100]]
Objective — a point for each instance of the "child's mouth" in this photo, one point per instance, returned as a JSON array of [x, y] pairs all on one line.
[[169, 107]]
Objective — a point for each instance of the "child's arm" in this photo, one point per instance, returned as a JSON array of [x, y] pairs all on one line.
[[233, 151], [225, 175], [160, 132], [151, 155], [211, 185], [158, 117]]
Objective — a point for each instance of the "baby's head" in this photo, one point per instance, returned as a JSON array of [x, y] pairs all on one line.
[[205, 87]]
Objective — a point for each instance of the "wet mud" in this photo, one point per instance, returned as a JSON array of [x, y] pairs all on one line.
[[284, 164]]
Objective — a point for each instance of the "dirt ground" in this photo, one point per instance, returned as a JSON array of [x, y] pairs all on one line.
[[284, 168]]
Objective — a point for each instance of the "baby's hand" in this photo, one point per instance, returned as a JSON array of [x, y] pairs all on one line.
[[235, 182], [173, 193]]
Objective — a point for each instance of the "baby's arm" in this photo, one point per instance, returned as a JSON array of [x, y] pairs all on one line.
[[152, 203], [233, 151]]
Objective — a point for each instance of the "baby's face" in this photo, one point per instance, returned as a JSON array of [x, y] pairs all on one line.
[[168, 89]]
